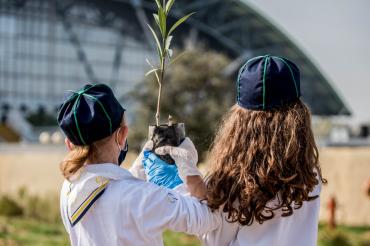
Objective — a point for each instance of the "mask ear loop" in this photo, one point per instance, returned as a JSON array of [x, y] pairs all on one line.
[[119, 146], [126, 146]]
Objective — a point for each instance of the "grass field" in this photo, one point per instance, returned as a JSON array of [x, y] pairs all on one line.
[[22, 231], [344, 236]]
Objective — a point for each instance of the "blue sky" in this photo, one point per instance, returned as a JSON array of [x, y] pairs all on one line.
[[335, 34]]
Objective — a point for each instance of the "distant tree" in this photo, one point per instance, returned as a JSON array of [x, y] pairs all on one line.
[[196, 93], [41, 117]]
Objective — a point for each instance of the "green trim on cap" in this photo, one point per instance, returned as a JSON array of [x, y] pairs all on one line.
[[67, 101], [238, 81], [76, 121], [105, 112], [264, 81], [241, 70], [291, 72], [76, 103], [82, 91], [75, 94]]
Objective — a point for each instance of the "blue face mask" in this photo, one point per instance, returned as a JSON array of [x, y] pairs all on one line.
[[122, 154]]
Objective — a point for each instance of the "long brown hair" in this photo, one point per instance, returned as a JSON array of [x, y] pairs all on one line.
[[259, 155], [75, 159]]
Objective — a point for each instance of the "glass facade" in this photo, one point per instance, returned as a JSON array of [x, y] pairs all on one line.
[[43, 53], [50, 46]]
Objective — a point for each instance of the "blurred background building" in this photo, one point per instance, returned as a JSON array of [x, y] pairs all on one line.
[[48, 47]]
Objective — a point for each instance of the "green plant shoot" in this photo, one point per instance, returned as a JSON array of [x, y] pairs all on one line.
[[163, 45]]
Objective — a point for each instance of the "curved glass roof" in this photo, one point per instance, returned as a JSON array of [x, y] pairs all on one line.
[[233, 27], [107, 41]]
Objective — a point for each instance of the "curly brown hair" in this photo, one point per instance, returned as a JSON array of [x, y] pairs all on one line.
[[257, 155]]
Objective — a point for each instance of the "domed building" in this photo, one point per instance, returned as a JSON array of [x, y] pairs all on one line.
[[48, 47]]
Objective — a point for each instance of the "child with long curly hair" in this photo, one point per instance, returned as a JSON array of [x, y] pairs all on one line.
[[264, 177]]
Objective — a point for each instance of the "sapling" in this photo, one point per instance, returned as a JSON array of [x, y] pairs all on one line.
[[171, 133]]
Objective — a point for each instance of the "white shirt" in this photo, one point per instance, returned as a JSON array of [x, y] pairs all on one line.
[[298, 229], [131, 211], [301, 228]]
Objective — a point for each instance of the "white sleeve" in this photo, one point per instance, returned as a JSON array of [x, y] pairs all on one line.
[[223, 235], [63, 206], [182, 189], [166, 209]]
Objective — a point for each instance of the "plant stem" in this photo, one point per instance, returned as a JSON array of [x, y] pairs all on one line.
[[158, 104], [157, 115], [163, 48], [163, 65]]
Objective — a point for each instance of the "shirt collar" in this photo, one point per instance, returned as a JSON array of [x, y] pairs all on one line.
[[107, 170], [87, 186]]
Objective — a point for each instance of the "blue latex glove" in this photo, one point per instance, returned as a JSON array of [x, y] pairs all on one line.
[[159, 172]]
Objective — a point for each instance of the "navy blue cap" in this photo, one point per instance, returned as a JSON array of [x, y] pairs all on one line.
[[268, 82], [90, 114]]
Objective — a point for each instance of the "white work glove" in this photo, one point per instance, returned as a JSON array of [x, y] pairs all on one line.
[[137, 169], [185, 156]]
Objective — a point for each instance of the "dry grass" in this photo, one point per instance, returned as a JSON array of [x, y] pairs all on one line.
[[36, 167]]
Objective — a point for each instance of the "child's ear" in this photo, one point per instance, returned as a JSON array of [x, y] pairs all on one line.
[[69, 144], [123, 135]]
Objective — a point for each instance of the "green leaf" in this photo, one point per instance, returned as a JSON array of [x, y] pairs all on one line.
[[162, 21], [168, 42], [158, 3], [149, 63], [155, 72], [169, 53], [156, 18], [159, 48], [169, 5], [151, 71], [179, 22]]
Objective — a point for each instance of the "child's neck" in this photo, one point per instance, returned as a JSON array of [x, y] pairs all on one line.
[[101, 160]]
